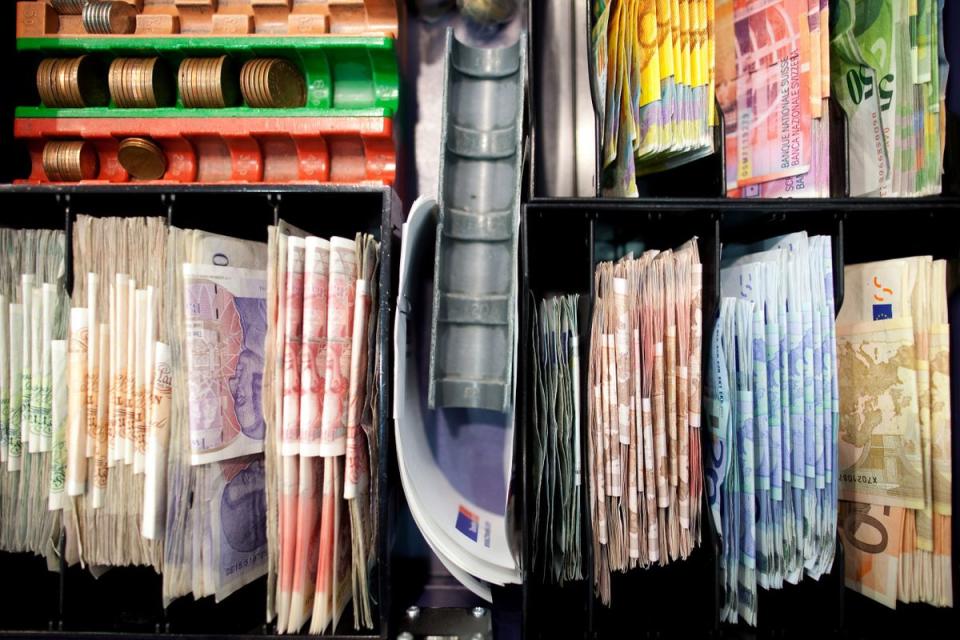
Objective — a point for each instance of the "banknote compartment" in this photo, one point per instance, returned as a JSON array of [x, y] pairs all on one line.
[[128, 599], [555, 260], [683, 595], [780, 610], [878, 232], [563, 242], [35, 604]]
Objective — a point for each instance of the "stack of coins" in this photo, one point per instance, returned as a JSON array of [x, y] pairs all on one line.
[[70, 161], [68, 7], [109, 16], [140, 83], [71, 82], [272, 83], [207, 82], [142, 159]]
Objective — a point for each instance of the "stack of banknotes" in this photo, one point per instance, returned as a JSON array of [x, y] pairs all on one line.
[[119, 267], [890, 76], [555, 416], [895, 455], [653, 66], [644, 411], [215, 542], [33, 308], [773, 86], [772, 398], [321, 405]]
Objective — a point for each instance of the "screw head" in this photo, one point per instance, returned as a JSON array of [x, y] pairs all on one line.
[[413, 612], [406, 635], [478, 612]]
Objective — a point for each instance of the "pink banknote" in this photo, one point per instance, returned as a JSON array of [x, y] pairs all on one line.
[[292, 346], [313, 360], [343, 276]]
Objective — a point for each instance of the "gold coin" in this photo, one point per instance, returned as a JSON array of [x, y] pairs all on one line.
[[73, 82], [204, 91], [202, 81], [61, 83], [186, 96], [50, 166], [251, 82], [69, 161], [285, 85], [255, 86], [115, 82], [142, 159], [136, 83], [44, 82], [245, 71], [148, 70]]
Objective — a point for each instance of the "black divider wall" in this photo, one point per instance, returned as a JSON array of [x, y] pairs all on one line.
[[128, 599]]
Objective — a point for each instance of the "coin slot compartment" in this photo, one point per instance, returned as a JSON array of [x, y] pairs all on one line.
[[342, 76], [37, 18], [230, 150]]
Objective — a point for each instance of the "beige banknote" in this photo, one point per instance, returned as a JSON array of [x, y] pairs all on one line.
[[872, 540]]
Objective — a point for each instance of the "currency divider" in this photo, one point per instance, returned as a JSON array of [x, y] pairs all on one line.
[[563, 240], [243, 17], [344, 75], [356, 150]]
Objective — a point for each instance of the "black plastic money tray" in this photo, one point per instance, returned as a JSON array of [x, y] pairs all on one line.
[[127, 600], [561, 240]]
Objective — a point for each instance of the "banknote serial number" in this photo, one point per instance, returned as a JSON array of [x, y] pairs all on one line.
[[245, 562], [857, 478]]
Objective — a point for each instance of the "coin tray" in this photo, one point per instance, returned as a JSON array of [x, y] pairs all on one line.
[[356, 150], [345, 76], [36, 18]]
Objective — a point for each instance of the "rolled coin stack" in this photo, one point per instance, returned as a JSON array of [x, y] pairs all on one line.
[[272, 83], [69, 161], [142, 83], [142, 159], [207, 82], [68, 7], [109, 16], [71, 82]]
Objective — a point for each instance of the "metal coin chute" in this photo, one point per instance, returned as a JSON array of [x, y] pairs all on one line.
[[474, 304]]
